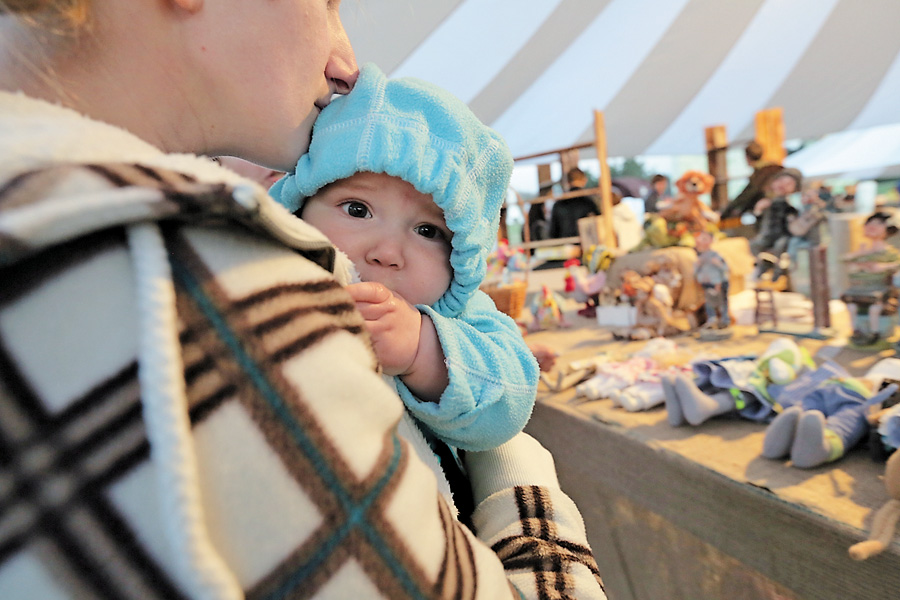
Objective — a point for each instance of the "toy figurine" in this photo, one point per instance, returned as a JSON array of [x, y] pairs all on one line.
[[503, 260], [663, 271], [871, 269], [774, 212], [711, 272], [587, 287], [655, 314], [805, 226], [546, 311], [681, 218], [686, 207]]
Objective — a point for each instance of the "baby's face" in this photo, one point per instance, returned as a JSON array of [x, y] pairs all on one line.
[[394, 234]]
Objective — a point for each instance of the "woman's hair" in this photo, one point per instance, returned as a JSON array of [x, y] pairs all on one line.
[[64, 15]]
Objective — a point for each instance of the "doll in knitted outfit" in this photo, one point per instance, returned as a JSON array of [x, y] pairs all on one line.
[[405, 180], [825, 413], [871, 269], [744, 385]]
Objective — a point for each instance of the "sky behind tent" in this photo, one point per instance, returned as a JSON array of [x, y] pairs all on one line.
[[660, 70]]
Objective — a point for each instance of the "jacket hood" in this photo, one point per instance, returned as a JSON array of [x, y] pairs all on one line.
[[418, 132]]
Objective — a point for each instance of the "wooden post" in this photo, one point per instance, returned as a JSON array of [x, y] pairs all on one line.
[[604, 183], [544, 178], [769, 125], [820, 292], [568, 160], [716, 148]]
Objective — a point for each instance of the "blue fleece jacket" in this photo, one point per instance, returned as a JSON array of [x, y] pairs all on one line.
[[422, 134]]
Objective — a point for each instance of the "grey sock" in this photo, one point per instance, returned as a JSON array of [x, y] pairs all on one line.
[[811, 444], [673, 409], [698, 406], [780, 433]]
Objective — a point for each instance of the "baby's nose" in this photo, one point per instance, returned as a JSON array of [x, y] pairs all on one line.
[[387, 252]]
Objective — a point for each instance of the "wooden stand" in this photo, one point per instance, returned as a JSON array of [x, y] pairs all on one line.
[[602, 228], [769, 125], [605, 183], [716, 149]]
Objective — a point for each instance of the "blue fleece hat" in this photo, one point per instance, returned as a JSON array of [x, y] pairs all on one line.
[[424, 135]]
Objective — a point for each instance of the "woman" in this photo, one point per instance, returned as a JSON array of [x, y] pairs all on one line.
[[190, 406]]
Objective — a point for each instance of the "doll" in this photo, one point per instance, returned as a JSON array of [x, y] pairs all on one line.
[[774, 212], [546, 311], [586, 287], [871, 269], [711, 272], [741, 384], [679, 219], [663, 271], [825, 413], [655, 314], [886, 518], [686, 208]]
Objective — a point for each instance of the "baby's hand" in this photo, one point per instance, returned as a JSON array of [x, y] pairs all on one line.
[[393, 323], [545, 355]]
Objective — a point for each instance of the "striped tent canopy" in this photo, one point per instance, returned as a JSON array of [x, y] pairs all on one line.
[[660, 70]]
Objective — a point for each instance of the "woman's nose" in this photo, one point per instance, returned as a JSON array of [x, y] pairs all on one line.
[[341, 70]]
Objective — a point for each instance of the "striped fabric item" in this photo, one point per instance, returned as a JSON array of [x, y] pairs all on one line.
[[661, 71], [303, 487]]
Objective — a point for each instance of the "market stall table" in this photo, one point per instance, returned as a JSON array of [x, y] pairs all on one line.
[[695, 512]]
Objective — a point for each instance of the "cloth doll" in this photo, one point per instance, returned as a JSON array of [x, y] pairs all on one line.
[[774, 213], [825, 413], [740, 384], [586, 286], [885, 520], [711, 272], [546, 311], [871, 269], [655, 314]]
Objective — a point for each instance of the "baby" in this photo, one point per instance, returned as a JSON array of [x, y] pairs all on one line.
[[408, 183]]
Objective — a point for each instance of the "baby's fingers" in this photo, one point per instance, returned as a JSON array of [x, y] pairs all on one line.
[[369, 291]]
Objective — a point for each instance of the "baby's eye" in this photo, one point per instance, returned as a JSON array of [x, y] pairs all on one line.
[[357, 210], [430, 231]]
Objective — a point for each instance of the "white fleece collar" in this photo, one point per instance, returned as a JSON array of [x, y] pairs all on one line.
[[35, 134]]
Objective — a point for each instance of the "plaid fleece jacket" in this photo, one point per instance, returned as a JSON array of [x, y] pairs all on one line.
[[190, 407]]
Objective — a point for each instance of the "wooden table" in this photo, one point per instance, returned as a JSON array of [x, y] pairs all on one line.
[[696, 513]]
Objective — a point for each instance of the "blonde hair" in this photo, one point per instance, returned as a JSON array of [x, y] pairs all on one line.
[[61, 16]]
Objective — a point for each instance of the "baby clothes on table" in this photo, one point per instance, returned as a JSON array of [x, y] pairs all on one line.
[[614, 376]]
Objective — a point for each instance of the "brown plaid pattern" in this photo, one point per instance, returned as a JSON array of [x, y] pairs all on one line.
[[539, 548], [57, 468], [62, 459]]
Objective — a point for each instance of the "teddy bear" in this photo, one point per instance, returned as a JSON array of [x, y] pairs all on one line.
[[682, 217], [686, 208]]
